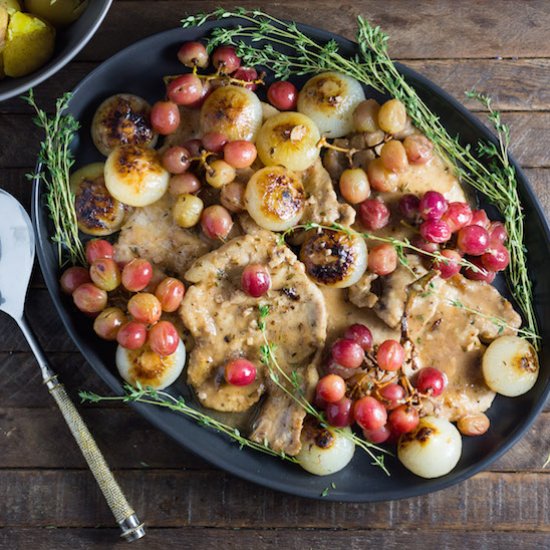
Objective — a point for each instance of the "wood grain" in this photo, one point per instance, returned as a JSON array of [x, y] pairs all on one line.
[[268, 539], [175, 498]]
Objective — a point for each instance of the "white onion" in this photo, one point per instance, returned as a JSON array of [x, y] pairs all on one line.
[[232, 111], [433, 449], [334, 258], [289, 139], [510, 366], [324, 451], [135, 176], [329, 99], [275, 198], [149, 368]]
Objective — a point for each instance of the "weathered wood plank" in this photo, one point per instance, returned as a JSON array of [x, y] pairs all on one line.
[[530, 133], [267, 539], [514, 84], [173, 498], [38, 438], [439, 29]]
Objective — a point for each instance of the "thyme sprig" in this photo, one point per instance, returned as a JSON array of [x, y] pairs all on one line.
[[56, 161], [489, 170], [401, 245], [291, 385], [159, 398]]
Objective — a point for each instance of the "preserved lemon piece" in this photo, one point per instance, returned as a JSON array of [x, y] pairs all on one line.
[[275, 198], [289, 139], [29, 45], [97, 212], [330, 99], [59, 13], [135, 176], [510, 366], [232, 111]]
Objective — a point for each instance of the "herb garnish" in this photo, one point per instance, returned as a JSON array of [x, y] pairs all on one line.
[[291, 385], [56, 162], [160, 398], [488, 171]]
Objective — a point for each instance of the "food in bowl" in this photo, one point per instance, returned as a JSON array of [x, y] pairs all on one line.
[[387, 335], [27, 40]]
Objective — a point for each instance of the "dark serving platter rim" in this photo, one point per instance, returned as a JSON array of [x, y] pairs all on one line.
[[352, 484]]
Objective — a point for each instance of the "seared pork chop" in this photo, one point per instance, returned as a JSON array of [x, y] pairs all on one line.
[[223, 321]]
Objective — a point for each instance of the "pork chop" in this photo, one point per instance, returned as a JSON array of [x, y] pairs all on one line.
[[223, 321]]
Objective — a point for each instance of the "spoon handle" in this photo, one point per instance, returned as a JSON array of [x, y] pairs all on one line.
[[125, 516]]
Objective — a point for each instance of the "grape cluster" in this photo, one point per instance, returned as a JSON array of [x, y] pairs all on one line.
[[365, 384], [141, 321]]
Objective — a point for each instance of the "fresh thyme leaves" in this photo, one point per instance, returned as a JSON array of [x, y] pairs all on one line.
[[495, 179], [56, 161], [291, 384], [398, 244], [161, 398]]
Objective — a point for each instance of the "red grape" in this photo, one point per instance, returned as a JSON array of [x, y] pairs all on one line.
[[216, 222], [369, 413], [419, 148], [361, 334], [193, 54], [374, 214], [347, 353], [232, 196], [408, 206], [340, 414], [451, 267], [181, 184], [165, 117], [170, 292], [423, 244], [394, 157], [497, 233], [240, 153], [214, 142], [404, 419], [88, 298], [482, 274], [432, 205], [458, 215], [431, 381], [334, 368], [145, 307], [331, 388], [380, 178], [97, 249], [283, 95], [225, 59], [378, 436], [176, 159], [105, 274], [240, 372], [163, 338], [248, 74], [73, 277], [354, 185], [390, 355], [479, 217], [382, 259], [108, 323], [392, 395], [132, 335], [255, 280], [194, 146], [435, 231], [137, 274], [473, 240], [496, 258], [185, 89]]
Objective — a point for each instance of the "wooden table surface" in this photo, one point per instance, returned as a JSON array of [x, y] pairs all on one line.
[[48, 498]]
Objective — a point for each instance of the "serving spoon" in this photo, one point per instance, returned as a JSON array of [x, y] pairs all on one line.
[[16, 261]]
